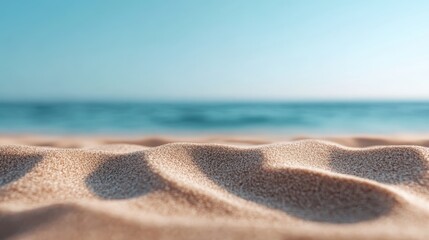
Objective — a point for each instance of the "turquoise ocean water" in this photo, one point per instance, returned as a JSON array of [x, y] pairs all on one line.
[[215, 117]]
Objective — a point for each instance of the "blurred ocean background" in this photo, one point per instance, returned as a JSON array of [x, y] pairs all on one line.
[[215, 117]]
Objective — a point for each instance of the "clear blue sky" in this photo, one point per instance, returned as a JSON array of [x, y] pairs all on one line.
[[214, 50]]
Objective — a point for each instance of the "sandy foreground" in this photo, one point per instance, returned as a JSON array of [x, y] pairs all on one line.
[[368, 187]]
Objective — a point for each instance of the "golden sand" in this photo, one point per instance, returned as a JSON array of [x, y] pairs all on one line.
[[83, 188]]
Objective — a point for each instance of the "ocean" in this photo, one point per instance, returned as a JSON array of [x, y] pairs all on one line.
[[215, 117]]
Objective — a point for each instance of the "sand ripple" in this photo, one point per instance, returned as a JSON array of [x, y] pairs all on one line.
[[303, 189]]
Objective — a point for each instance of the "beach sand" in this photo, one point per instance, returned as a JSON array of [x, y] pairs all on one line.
[[367, 187]]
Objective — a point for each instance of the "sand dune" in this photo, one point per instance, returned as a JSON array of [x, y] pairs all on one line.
[[308, 189]]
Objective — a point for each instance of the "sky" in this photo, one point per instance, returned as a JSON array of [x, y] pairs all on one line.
[[214, 50]]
